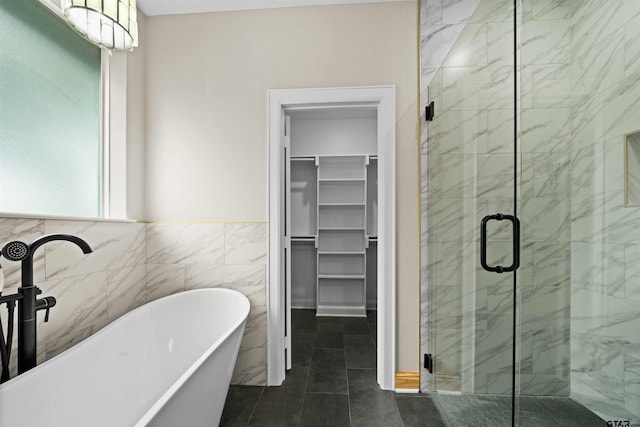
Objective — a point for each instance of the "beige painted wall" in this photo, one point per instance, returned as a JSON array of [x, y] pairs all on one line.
[[207, 77]]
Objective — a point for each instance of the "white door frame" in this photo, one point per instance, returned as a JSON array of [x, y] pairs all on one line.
[[383, 99]]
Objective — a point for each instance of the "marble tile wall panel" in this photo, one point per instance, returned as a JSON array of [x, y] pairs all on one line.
[[185, 243], [460, 132], [164, 280], [632, 272], [594, 20], [115, 245], [546, 219], [230, 255], [632, 47], [587, 170], [546, 86], [492, 11], [470, 47], [500, 43], [245, 244], [587, 124], [441, 21], [126, 290], [543, 10], [477, 87], [500, 131], [621, 106], [551, 174], [545, 130], [543, 385], [546, 42], [598, 67]]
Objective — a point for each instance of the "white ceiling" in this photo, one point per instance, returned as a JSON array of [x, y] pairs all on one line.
[[172, 7]]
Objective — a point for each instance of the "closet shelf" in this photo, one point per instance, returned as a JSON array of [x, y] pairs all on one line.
[[341, 252], [341, 276], [321, 180], [339, 204], [341, 229]]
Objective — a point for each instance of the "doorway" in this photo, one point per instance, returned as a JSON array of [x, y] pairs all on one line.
[[377, 103]]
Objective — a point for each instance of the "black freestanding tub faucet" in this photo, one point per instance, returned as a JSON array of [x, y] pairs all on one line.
[[29, 304]]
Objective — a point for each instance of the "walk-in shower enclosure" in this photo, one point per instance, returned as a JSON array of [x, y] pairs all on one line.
[[537, 114]]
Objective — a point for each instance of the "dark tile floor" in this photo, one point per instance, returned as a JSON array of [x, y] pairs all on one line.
[[332, 383]]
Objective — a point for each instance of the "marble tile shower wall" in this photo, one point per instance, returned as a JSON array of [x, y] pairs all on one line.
[[544, 204], [135, 263], [580, 93], [603, 72]]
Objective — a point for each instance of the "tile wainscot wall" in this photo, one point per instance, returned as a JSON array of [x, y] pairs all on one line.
[[135, 263]]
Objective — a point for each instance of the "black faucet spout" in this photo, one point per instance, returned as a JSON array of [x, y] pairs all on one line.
[[66, 237]]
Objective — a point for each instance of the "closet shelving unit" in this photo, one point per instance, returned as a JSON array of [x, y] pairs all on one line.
[[342, 240], [341, 229]]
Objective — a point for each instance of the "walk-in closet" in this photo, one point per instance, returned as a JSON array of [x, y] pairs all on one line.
[[332, 210]]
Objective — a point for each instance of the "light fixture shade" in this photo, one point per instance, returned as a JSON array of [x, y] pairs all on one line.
[[107, 23]]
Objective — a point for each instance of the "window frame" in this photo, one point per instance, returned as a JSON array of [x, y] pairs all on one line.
[[109, 173]]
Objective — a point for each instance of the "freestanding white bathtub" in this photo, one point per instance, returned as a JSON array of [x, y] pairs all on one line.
[[167, 363]]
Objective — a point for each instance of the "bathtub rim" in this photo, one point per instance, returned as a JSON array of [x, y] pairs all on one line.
[[175, 386]]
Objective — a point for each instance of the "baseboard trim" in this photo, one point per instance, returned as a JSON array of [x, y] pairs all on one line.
[[408, 380]]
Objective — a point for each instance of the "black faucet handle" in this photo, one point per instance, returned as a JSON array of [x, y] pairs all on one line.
[[48, 303]]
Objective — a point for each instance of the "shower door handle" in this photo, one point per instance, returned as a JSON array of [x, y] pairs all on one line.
[[516, 243]]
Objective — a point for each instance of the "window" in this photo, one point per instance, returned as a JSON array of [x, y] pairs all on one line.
[[50, 82]]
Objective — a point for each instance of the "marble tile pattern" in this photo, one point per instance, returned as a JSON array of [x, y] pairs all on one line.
[[135, 263]]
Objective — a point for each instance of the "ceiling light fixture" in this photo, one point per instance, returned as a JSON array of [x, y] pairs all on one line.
[[107, 23]]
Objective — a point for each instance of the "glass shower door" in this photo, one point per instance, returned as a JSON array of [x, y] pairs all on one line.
[[472, 225]]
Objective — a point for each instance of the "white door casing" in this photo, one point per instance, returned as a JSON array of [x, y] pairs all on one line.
[[278, 288]]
